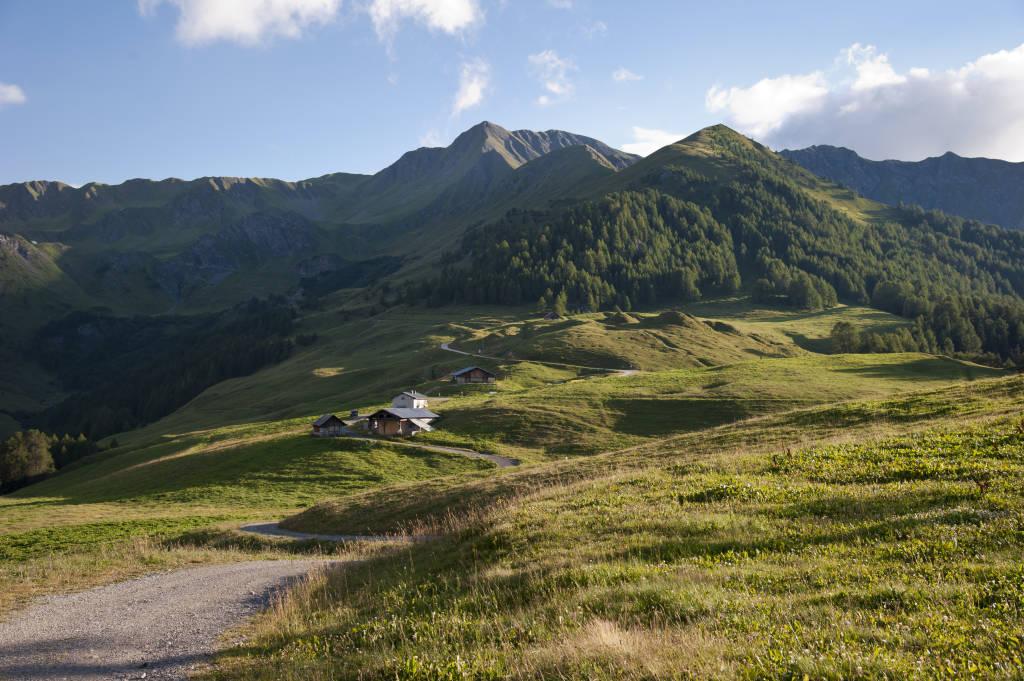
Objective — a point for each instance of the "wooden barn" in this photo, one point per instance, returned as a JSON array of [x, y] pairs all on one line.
[[473, 375], [401, 421], [328, 425]]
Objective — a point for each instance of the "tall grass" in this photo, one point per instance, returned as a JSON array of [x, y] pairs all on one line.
[[878, 556]]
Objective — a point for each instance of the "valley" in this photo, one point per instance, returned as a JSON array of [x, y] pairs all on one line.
[[731, 398]]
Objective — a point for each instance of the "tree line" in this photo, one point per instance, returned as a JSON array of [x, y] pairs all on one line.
[[126, 372], [681, 235], [31, 455]]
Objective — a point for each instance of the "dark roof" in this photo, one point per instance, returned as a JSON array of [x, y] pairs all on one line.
[[409, 413], [326, 418], [415, 395], [466, 370]]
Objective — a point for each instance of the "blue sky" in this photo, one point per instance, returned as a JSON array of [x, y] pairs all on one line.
[[111, 90]]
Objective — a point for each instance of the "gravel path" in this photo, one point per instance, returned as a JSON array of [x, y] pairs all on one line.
[[617, 372], [274, 530], [156, 627], [499, 461]]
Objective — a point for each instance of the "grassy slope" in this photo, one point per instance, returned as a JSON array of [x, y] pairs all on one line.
[[241, 448], [240, 451], [823, 543]]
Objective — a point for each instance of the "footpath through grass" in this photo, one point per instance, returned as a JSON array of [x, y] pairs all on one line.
[[744, 554], [82, 527]]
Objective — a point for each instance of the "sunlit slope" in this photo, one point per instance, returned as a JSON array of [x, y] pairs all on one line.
[[603, 413], [358, 362]]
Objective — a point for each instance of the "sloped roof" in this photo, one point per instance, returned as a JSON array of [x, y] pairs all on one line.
[[323, 420], [413, 394], [466, 370], [423, 424], [401, 413]]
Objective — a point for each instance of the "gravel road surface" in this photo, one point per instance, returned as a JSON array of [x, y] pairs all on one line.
[[156, 627]]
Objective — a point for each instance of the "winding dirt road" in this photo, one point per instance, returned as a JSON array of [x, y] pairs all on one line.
[[160, 626], [499, 461], [617, 372]]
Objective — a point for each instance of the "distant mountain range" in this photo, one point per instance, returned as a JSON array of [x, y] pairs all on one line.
[[497, 217], [144, 247], [984, 189]]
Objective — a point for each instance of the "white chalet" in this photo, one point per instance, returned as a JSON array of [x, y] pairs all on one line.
[[410, 399]]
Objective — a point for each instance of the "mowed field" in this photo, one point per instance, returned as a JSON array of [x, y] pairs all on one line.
[[171, 493]]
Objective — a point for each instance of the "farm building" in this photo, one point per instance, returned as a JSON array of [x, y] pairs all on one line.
[[410, 399], [401, 421], [327, 425], [473, 375]]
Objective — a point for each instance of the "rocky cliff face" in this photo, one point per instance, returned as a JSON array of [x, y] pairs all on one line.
[[980, 188]]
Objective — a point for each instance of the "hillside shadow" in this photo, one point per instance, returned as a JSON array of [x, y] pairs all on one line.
[[924, 368], [653, 417], [883, 520]]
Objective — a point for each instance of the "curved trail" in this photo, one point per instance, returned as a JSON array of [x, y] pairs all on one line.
[[275, 530], [617, 372], [161, 626], [499, 461]]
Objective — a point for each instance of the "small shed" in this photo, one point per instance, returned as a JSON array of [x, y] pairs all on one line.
[[328, 425], [552, 315], [410, 399], [400, 421], [473, 375]]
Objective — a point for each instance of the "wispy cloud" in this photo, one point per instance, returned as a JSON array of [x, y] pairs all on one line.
[[431, 138], [253, 22], [594, 29], [553, 73], [623, 74], [474, 80], [864, 103], [447, 16], [11, 95], [246, 22], [561, 4], [648, 140]]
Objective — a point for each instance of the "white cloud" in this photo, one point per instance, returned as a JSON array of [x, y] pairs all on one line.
[[623, 74], [873, 69], [646, 141], [11, 95], [869, 106], [251, 22], [765, 106], [447, 16], [247, 22], [474, 80], [553, 73]]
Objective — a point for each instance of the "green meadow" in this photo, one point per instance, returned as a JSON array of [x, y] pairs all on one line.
[[659, 523], [878, 539]]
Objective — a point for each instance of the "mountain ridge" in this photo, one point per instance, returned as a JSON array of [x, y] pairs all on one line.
[[990, 190]]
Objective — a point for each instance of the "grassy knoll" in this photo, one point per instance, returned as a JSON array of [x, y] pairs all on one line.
[[808, 330], [358, 362], [877, 539], [610, 412]]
